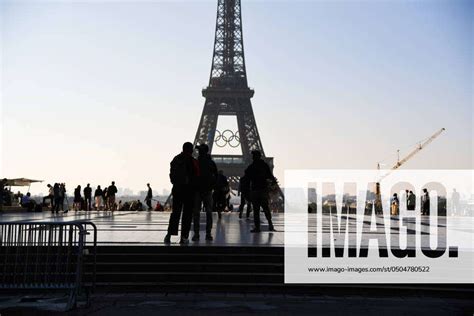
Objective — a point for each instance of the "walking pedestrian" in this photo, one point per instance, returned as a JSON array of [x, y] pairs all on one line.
[[149, 196], [260, 175]]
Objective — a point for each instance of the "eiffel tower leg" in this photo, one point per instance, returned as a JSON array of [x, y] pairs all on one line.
[[249, 136], [207, 126]]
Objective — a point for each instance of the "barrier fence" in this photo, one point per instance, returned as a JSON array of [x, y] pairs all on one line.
[[48, 256]]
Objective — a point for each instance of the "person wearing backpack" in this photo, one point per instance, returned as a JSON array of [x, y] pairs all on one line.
[[183, 172], [205, 183]]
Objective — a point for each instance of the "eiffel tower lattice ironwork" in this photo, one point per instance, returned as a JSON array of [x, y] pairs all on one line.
[[229, 94]]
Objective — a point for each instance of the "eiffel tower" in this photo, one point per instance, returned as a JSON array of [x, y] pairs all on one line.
[[229, 94]]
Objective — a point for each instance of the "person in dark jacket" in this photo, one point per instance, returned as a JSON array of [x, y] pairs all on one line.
[[104, 198], [77, 199], [88, 197], [220, 193], [3, 184], [206, 181], [149, 196], [183, 172], [63, 196], [411, 201], [244, 192], [259, 175], [57, 197], [98, 197], [425, 203], [111, 191]]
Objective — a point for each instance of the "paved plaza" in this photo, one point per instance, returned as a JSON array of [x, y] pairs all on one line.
[[149, 228]]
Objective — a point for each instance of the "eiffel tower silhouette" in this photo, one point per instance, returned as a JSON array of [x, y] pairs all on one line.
[[228, 94]]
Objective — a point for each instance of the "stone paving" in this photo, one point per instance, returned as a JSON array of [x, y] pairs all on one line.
[[241, 304]]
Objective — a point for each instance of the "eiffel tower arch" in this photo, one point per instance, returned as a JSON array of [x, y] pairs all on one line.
[[228, 94]]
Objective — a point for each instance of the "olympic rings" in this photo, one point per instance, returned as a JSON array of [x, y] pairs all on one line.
[[227, 137]]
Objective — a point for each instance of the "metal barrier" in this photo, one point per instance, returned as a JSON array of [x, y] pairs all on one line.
[[47, 256]]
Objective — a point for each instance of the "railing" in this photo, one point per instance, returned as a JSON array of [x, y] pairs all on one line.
[[47, 256]]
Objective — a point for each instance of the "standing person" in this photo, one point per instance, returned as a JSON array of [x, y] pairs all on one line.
[[244, 191], [77, 199], [395, 204], [97, 197], [411, 201], [149, 196], [425, 203], [407, 194], [183, 170], [63, 196], [111, 191], [206, 181], [88, 197], [3, 183], [259, 175], [220, 192], [49, 197], [57, 197], [104, 198]]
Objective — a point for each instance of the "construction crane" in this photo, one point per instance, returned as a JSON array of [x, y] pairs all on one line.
[[422, 145]]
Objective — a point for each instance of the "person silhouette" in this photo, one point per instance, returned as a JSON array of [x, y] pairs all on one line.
[[425, 203], [88, 197], [183, 172], [220, 192], [3, 184], [57, 198], [259, 175], [98, 197], [77, 198], [149, 196], [111, 191], [206, 181], [244, 192]]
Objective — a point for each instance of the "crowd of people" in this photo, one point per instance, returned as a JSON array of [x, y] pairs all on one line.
[[103, 199], [197, 185], [410, 198]]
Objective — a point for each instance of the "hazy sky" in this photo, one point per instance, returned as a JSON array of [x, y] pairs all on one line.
[[96, 91]]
